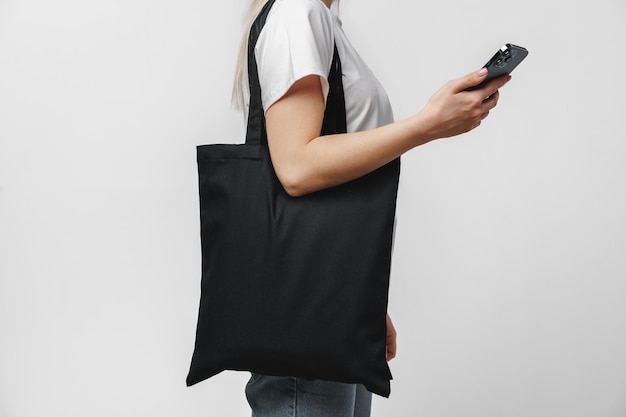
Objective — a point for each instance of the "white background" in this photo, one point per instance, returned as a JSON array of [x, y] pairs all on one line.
[[509, 277]]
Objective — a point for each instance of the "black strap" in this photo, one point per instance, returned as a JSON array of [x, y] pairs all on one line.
[[335, 113]]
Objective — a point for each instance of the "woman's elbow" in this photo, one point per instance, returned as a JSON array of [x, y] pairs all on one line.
[[295, 191], [294, 181]]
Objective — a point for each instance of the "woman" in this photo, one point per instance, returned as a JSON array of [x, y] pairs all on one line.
[[294, 54]]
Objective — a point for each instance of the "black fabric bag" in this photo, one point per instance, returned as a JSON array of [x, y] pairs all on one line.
[[292, 286]]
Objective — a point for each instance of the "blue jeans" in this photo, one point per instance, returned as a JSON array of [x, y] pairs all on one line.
[[272, 396]]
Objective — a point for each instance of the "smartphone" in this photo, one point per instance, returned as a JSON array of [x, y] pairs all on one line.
[[503, 62]]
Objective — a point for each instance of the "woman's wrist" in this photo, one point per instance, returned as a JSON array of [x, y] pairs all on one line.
[[420, 129]]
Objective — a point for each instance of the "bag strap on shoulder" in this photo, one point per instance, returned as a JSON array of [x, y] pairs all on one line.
[[335, 113]]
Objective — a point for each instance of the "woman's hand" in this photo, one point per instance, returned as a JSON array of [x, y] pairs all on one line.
[[391, 339], [452, 110]]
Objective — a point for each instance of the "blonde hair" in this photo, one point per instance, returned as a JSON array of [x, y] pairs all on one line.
[[255, 8], [253, 12]]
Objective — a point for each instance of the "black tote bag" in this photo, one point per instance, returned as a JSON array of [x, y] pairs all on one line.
[[292, 286]]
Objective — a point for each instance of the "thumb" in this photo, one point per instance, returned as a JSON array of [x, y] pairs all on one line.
[[470, 80]]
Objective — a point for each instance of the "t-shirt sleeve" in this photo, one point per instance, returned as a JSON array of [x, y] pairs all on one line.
[[296, 41]]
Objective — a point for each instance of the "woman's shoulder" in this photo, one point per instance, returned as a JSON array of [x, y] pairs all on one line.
[[297, 10], [296, 41], [299, 21], [317, 5]]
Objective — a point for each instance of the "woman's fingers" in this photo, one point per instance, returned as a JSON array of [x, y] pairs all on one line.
[[391, 339], [494, 85], [490, 102], [469, 80]]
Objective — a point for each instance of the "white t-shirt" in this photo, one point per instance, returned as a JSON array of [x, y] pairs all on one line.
[[298, 40]]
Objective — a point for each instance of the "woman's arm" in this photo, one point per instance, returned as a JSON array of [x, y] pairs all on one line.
[[306, 162]]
